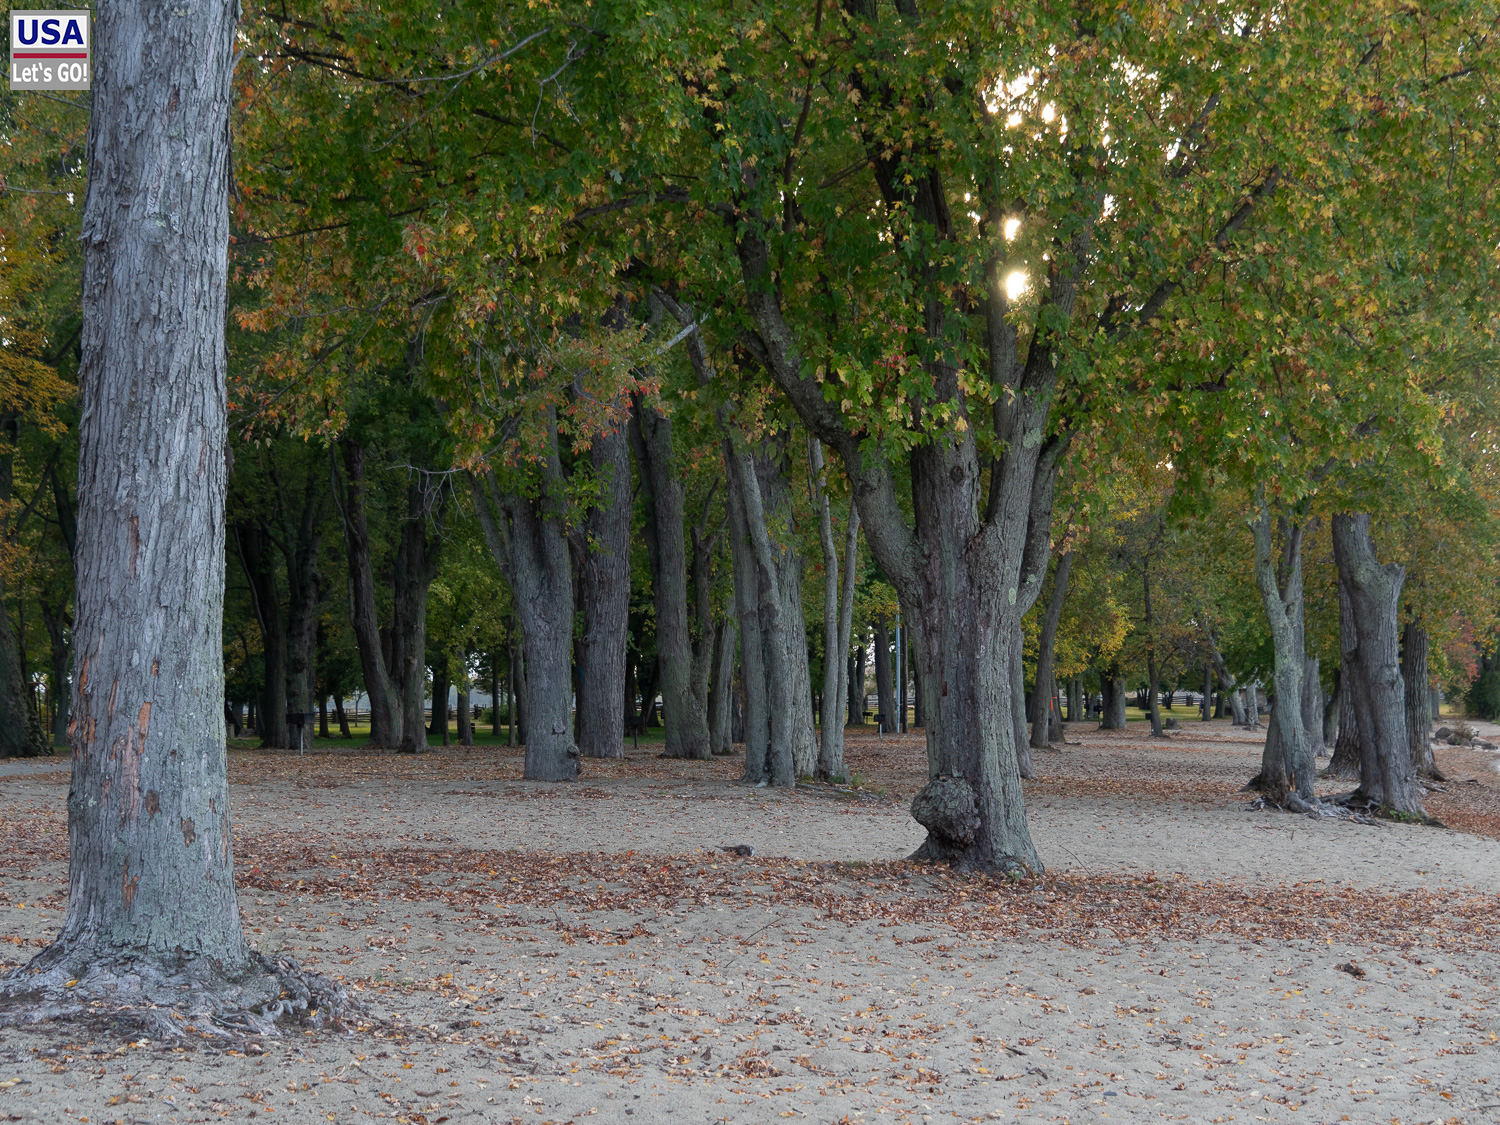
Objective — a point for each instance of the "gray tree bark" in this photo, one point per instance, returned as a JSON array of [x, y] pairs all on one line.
[[384, 690], [153, 920], [1312, 705], [1112, 705], [1346, 749], [1414, 674], [747, 597], [528, 539], [1018, 702], [1372, 672], [301, 542], [416, 567], [603, 555], [721, 689], [1286, 773], [685, 715], [838, 618]]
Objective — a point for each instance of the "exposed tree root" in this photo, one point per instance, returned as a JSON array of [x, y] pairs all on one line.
[[173, 1000]]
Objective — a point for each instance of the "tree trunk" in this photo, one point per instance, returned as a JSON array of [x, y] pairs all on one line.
[[1286, 774], [495, 694], [838, 617], [1372, 672], [603, 556], [1346, 748], [338, 709], [1018, 702], [1046, 683], [153, 920], [382, 688], [512, 700], [21, 734], [1075, 700], [1331, 709], [778, 766], [747, 598], [529, 542], [1112, 705], [322, 715], [685, 715], [466, 713], [721, 690], [1312, 705], [1414, 676]]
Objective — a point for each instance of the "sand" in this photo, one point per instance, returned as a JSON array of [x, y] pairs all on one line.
[[560, 953]]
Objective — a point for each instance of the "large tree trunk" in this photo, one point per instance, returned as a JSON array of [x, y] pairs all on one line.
[[1046, 683], [254, 547], [838, 617], [1286, 773], [529, 541], [153, 920], [1372, 671], [1414, 675], [382, 688], [603, 556], [685, 714], [1346, 748], [1112, 704]]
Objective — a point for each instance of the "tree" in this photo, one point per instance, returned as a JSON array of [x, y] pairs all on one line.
[[152, 916]]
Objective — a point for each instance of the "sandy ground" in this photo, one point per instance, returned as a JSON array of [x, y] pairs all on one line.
[[555, 953]]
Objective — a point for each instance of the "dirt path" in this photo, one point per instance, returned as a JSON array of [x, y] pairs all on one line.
[[557, 953]]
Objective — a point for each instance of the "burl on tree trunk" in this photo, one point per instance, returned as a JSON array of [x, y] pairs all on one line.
[[152, 931]]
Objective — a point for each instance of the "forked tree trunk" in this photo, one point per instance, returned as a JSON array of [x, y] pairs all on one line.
[[685, 715], [604, 589], [1414, 675], [153, 920], [383, 689], [1372, 670], [1286, 773], [416, 567], [778, 765], [527, 537]]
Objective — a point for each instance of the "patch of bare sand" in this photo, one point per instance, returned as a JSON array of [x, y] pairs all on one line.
[[557, 953]]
